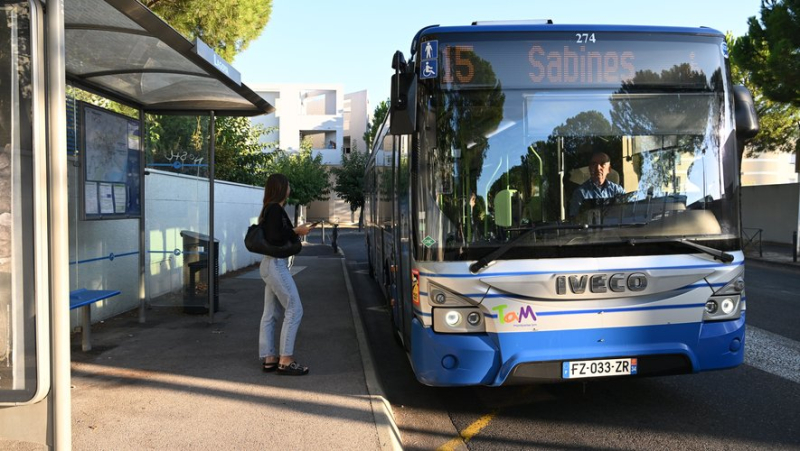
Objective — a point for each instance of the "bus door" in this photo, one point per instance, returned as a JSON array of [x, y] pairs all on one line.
[[403, 306]]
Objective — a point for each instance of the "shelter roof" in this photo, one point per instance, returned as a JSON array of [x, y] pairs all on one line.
[[121, 49]]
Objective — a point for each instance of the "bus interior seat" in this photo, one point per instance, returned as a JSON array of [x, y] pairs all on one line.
[[502, 208]]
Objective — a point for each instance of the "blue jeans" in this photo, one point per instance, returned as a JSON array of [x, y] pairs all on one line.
[[281, 301]]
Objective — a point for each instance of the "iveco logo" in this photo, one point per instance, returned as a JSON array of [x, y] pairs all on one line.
[[601, 283]]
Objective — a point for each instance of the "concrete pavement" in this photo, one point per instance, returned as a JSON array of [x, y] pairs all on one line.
[[773, 253], [177, 382]]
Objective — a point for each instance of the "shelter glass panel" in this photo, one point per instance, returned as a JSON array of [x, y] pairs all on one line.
[[177, 213], [104, 146], [18, 365]]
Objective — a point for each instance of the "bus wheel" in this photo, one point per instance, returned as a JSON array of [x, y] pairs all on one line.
[[396, 331], [369, 264]]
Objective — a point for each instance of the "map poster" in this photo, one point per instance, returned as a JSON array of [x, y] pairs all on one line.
[[110, 160]]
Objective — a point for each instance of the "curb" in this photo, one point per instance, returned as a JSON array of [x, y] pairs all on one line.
[[388, 432]]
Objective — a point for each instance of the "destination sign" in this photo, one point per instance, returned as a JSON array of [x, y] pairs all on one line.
[[566, 64], [580, 59]]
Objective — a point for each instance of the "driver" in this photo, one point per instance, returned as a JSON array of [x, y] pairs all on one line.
[[598, 186]]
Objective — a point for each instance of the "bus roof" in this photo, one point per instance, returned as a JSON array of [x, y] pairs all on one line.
[[548, 26], [521, 26]]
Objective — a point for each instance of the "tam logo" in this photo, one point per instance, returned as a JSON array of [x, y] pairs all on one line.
[[514, 317]]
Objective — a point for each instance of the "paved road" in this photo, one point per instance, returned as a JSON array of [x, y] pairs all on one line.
[[773, 295], [754, 406]]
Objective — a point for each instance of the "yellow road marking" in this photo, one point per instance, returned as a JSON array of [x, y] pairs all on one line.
[[471, 431]]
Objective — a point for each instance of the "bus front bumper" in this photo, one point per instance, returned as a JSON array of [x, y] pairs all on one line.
[[530, 357]]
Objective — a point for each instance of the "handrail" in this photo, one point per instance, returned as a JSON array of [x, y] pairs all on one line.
[[749, 238]]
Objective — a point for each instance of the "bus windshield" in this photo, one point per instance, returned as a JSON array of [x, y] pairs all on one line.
[[596, 144]]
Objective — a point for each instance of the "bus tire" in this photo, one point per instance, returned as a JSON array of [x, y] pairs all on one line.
[[398, 335], [369, 264]]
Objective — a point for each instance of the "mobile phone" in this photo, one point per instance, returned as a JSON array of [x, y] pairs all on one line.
[[315, 223]]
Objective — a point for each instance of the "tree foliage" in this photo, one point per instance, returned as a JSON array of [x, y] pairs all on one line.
[[349, 183], [769, 51], [178, 142], [227, 26], [777, 121], [240, 156], [308, 177], [377, 119]]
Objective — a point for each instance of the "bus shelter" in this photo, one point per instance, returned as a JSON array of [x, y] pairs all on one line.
[[73, 175]]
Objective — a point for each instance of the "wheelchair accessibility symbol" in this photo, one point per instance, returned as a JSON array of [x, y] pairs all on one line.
[[428, 69]]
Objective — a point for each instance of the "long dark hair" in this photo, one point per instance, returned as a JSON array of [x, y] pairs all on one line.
[[276, 188], [274, 191]]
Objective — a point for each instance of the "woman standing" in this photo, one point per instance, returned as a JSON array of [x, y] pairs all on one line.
[[281, 298]]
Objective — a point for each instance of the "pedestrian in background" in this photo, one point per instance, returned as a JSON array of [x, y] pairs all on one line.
[[281, 299]]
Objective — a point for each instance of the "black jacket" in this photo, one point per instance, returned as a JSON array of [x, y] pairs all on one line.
[[278, 226]]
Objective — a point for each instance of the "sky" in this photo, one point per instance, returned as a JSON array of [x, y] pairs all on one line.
[[351, 42]]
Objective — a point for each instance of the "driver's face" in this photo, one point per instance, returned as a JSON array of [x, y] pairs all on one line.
[[599, 169]]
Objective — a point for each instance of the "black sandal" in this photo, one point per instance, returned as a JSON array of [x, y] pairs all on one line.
[[269, 367], [293, 369]]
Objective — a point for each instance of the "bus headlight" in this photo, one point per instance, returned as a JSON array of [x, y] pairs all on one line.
[[727, 306], [722, 308], [451, 320]]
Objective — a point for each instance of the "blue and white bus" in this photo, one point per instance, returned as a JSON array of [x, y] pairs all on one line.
[[498, 267]]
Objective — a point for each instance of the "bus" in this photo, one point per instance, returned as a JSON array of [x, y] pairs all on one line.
[[504, 255]]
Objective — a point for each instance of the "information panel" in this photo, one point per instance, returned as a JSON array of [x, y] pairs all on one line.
[[111, 149]]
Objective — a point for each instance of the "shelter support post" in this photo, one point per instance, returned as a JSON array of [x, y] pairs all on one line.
[[212, 257]]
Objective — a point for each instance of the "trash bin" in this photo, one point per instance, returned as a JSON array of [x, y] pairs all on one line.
[[195, 272]]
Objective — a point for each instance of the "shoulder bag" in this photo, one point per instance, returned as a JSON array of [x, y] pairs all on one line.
[[256, 241]]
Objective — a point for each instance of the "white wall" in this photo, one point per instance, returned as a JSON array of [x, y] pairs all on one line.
[[292, 116], [772, 208], [173, 203], [177, 202], [769, 168], [359, 116]]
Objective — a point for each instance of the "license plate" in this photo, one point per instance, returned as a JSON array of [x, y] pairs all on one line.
[[598, 368]]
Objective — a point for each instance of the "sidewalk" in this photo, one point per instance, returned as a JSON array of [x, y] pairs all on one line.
[[178, 382], [772, 253]]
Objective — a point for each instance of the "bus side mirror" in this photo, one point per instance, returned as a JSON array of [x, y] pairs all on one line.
[[402, 108], [745, 112]]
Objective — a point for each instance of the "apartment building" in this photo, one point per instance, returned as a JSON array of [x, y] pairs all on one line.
[[334, 122], [771, 168]]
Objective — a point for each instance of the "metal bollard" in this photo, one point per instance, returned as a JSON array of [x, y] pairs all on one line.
[[335, 236]]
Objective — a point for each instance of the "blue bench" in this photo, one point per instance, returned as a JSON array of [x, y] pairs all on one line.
[[83, 299]]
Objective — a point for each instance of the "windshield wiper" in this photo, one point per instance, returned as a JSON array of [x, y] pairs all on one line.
[[722, 256], [494, 255]]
